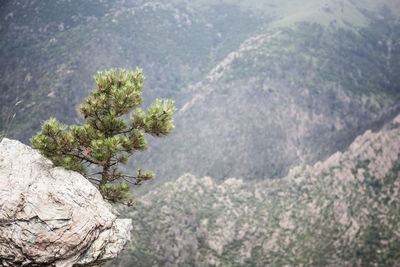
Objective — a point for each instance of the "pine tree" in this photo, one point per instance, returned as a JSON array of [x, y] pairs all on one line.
[[106, 139]]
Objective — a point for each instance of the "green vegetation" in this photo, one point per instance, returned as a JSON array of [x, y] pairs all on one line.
[[106, 139], [146, 36], [261, 86], [297, 77], [299, 89], [343, 211]]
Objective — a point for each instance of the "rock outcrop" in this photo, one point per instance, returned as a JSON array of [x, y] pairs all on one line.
[[50, 216]]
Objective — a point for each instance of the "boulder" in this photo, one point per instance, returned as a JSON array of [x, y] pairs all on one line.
[[52, 216]]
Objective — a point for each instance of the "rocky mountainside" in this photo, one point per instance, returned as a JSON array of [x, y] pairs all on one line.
[[293, 93], [261, 86], [53, 217], [340, 212], [53, 53]]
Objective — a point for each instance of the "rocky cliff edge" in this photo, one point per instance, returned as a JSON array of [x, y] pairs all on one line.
[[51, 216]]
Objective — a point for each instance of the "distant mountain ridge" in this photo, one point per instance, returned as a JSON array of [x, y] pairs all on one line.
[[260, 87], [52, 72], [288, 95], [339, 212]]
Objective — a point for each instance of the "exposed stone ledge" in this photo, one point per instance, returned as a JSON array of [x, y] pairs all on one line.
[[52, 216]]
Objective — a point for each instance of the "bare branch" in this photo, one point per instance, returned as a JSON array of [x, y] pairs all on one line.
[[93, 179], [94, 173]]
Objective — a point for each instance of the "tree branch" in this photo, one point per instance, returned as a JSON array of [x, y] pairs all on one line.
[[95, 173], [93, 179], [126, 180]]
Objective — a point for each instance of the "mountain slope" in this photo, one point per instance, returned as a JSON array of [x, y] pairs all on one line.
[[288, 95], [340, 212], [261, 86], [51, 72]]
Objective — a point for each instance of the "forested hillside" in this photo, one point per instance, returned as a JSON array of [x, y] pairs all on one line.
[[339, 212], [290, 84], [264, 90], [51, 64]]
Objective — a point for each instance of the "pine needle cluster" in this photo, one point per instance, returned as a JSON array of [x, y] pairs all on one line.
[[106, 139]]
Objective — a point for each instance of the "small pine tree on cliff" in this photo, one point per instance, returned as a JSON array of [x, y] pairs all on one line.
[[106, 140]]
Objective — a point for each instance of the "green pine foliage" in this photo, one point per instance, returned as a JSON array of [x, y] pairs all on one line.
[[106, 139]]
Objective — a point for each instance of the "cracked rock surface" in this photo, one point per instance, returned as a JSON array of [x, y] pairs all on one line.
[[51, 216]]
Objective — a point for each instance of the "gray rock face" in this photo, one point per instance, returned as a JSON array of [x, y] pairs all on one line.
[[52, 216]]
